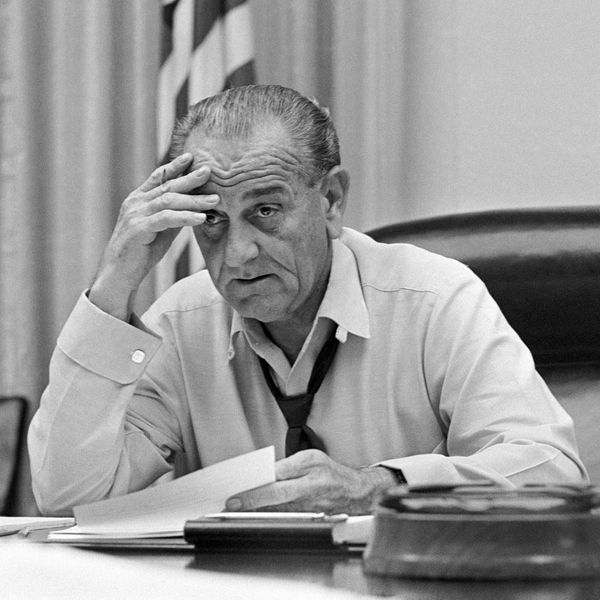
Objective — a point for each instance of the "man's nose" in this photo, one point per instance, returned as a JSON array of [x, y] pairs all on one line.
[[241, 246]]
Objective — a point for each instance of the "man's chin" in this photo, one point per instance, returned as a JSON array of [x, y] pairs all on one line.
[[261, 308]]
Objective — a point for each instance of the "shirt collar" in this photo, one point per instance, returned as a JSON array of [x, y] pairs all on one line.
[[343, 302]]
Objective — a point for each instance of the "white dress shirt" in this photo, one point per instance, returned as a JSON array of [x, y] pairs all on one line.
[[429, 378]]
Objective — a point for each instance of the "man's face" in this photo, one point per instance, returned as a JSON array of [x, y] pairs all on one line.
[[266, 243]]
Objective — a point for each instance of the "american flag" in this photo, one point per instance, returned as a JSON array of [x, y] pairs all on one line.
[[206, 47]]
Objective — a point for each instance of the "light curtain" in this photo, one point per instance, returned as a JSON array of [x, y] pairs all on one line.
[[78, 123]]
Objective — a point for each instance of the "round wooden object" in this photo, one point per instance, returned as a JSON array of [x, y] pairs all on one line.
[[478, 546]]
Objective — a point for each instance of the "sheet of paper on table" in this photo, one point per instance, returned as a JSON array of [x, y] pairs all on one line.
[[161, 511], [9, 525]]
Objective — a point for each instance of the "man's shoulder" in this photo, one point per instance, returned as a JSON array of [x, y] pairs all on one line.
[[195, 293], [396, 267]]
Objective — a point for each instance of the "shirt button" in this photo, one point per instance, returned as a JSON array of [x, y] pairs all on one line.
[[138, 356]]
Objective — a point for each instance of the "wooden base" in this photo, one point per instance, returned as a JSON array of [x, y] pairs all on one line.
[[451, 546]]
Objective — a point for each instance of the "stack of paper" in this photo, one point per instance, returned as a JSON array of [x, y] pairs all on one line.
[[160, 512]]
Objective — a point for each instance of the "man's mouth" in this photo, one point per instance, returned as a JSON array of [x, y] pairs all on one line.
[[251, 280]]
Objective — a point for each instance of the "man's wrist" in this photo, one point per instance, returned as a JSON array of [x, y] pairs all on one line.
[[382, 479], [113, 299]]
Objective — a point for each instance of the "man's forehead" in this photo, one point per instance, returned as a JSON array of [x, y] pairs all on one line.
[[266, 151]]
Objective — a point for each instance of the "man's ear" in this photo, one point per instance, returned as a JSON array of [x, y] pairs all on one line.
[[334, 189]]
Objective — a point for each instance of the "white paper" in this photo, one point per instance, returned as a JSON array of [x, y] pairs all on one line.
[[10, 525], [164, 509], [354, 530]]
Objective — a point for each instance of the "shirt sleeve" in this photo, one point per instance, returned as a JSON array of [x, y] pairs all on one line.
[[502, 423], [83, 445]]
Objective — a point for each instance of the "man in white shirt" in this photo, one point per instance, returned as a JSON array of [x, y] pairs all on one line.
[[420, 379]]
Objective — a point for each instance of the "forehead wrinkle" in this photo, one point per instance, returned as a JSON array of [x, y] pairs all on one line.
[[255, 174], [227, 172]]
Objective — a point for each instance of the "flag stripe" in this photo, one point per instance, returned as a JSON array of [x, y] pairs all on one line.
[[208, 12], [207, 70], [206, 15], [182, 102], [240, 76], [238, 40], [174, 72], [231, 4], [166, 42]]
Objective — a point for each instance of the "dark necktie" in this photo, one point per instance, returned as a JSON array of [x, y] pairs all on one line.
[[296, 408]]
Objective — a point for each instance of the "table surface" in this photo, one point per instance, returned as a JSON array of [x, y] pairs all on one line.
[[37, 567]]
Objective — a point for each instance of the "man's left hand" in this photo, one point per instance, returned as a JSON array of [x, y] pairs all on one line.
[[310, 481]]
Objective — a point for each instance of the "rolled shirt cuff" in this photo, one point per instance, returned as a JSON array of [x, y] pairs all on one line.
[[106, 345]]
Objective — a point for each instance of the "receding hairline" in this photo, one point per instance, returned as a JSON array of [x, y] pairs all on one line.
[[236, 113], [269, 126], [270, 134]]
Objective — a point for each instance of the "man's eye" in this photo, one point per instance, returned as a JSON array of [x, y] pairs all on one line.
[[266, 211], [213, 218]]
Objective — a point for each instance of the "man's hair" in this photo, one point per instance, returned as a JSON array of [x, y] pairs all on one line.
[[235, 112]]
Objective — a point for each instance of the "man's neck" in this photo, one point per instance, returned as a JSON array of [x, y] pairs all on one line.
[[287, 337], [290, 334]]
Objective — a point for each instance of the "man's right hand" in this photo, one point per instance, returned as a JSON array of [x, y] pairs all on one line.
[[150, 218]]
